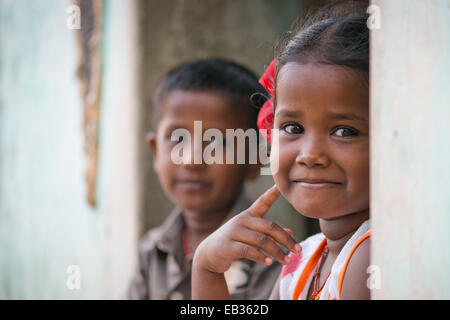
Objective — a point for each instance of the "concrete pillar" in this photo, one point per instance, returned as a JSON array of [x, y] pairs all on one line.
[[410, 149]]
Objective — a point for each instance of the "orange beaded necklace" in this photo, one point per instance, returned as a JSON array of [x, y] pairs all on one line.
[[317, 290]]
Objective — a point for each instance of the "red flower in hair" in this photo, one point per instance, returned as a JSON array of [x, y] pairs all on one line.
[[265, 116], [265, 119], [268, 77]]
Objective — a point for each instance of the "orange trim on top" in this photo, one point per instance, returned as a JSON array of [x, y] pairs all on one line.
[[309, 267], [342, 272]]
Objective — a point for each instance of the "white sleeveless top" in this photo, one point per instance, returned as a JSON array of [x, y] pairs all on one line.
[[298, 274]]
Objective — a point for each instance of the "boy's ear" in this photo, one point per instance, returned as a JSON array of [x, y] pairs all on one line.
[[151, 141], [253, 171]]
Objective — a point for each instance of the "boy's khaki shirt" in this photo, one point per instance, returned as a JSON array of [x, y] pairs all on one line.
[[164, 272]]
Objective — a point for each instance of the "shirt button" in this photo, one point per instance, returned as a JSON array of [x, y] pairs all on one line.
[[176, 295]]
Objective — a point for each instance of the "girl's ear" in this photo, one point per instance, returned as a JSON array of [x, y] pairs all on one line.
[[151, 141]]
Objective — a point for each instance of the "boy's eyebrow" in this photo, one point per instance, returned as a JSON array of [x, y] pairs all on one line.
[[173, 126]]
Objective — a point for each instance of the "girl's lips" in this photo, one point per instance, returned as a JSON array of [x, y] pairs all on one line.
[[317, 184]]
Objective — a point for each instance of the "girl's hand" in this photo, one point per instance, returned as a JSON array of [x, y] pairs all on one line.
[[246, 235]]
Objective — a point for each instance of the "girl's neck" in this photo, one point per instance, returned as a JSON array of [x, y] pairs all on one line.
[[339, 230]]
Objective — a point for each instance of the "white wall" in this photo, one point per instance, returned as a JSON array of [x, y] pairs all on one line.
[[46, 224], [410, 149]]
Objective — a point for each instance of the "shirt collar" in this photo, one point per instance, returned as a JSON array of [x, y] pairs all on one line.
[[169, 240]]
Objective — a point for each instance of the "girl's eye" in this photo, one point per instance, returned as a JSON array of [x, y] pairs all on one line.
[[345, 132], [293, 128]]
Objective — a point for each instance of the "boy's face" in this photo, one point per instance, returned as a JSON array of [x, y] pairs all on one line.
[[198, 187], [322, 115]]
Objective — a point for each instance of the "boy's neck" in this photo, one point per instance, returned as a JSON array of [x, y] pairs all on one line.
[[339, 230], [202, 224]]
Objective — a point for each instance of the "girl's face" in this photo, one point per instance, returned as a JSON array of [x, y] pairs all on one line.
[[322, 115]]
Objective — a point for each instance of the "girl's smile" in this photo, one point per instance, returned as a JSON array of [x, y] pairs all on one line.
[[316, 184], [322, 118]]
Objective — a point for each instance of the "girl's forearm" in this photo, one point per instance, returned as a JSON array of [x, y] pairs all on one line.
[[207, 285]]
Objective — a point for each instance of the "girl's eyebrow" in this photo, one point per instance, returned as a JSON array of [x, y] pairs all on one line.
[[346, 116], [287, 113], [331, 115]]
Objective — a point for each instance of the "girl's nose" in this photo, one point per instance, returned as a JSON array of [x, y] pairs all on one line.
[[312, 153]]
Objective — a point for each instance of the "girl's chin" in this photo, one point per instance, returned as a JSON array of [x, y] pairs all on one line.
[[311, 208], [315, 211]]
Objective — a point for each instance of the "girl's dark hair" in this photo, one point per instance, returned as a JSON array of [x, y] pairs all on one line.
[[232, 80], [335, 33]]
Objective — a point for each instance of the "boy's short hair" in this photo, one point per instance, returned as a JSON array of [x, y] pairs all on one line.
[[224, 77]]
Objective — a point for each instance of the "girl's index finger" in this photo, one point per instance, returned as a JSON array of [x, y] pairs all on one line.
[[260, 207]]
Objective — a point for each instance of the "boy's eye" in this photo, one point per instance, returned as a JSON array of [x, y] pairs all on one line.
[[176, 139], [345, 132], [293, 128], [213, 139], [216, 141]]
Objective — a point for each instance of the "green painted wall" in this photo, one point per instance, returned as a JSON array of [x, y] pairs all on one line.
[[46, 224]]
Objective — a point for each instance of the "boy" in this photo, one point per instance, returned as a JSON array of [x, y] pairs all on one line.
[[217, 93]]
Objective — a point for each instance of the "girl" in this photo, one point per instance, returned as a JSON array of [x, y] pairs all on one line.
[[321, 115]]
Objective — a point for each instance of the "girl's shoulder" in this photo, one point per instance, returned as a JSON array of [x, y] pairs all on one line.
[[348, 274], [350, 263], [354, 285], [352, 245]]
